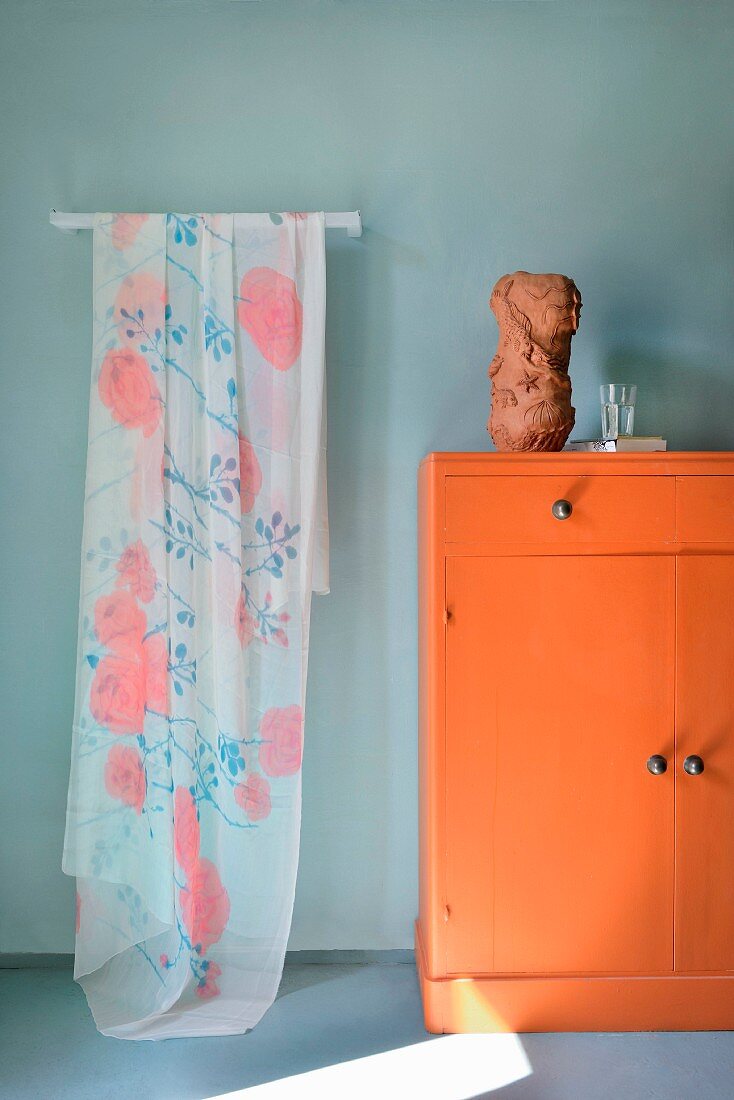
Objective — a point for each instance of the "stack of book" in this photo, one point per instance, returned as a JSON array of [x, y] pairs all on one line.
[[624, 443]]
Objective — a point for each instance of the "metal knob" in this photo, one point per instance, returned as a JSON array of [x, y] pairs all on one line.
[[657, 764], [562, 509], [693, 765]]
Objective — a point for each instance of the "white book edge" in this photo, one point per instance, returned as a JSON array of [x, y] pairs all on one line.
[[630, 445]]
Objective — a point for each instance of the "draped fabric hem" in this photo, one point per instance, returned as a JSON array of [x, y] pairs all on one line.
[[166, 923]]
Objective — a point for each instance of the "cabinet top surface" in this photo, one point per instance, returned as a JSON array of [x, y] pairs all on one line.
[[581, 462]]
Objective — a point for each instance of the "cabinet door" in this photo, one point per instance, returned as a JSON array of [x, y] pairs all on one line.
[[704, 899], [559, 840]]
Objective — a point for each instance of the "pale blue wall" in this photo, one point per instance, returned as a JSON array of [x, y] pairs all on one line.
[[589, 138]]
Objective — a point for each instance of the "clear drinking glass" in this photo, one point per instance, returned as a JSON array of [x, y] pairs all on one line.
[[617, 409]]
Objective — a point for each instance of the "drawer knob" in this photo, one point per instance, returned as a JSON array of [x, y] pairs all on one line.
[[657, 764], [693, 765], [562, 509]]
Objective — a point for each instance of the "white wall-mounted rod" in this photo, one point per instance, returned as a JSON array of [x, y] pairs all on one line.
[[351, 220]]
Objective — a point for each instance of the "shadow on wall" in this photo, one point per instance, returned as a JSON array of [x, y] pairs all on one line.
[[347, 704]]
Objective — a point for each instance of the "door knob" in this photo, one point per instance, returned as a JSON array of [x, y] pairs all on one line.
[[693, 765], [562, 509], [657, 764]]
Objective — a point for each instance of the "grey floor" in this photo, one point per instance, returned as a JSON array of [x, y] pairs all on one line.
[[351, 1031]]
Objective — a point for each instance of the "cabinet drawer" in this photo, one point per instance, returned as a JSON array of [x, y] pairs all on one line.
[[705, 509], [519, 510]]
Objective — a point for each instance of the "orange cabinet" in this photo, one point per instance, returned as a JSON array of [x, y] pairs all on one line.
[[704, 851], [576, 742]]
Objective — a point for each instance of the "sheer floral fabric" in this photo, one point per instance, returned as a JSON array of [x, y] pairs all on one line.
[[205, 532]]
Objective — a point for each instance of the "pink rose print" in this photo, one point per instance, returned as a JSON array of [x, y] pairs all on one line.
[[272, 315], [281, 730], [251, 477], [186, 837], [204, 905], [155, 665], [78, 912], [254, 796], [125, 228], [119, 623], [117, 697], [139, 291], [244, 622], [208, 987], [136, 572], [124, 776], [128, 389]]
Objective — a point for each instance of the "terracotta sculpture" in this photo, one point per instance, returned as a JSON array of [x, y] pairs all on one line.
[[531, 390]]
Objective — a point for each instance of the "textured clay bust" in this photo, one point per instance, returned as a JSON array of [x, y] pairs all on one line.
[[531, 390]]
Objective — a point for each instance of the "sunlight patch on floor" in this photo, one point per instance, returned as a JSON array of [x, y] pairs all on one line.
[[453, 1067]]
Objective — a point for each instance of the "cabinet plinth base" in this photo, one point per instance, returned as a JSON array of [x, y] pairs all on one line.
[[675, 1002]]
